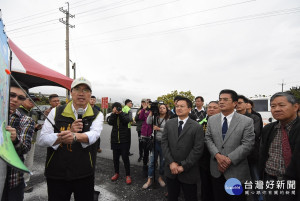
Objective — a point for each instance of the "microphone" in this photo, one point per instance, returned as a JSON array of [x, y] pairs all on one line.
[[80, 112]]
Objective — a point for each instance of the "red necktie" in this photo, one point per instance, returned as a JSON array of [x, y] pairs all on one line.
[[286, 148]]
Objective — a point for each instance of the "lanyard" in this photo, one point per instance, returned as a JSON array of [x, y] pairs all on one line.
[[159, 123]]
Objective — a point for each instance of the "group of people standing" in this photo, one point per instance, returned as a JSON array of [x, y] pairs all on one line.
[[227, 140]]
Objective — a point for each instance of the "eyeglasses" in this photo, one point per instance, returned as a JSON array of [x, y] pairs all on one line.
[[85, 91], [20, 97], [224, 99], [240, 102]]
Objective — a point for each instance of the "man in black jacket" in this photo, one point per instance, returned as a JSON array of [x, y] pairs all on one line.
[[279, 140], [120, 140], [293, 173], [199, 112], [241, 108]]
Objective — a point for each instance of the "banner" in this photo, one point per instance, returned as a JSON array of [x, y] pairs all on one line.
[[3, 99], [104, 104], [8, 153]]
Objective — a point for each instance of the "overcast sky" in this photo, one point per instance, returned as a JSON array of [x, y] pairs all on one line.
[[146, 48]]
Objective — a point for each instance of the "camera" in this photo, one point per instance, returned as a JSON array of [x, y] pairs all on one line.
[[117, 105], [153, 107], [119, 109]]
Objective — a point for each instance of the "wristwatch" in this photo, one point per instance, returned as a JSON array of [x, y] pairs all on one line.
[[74, 138]]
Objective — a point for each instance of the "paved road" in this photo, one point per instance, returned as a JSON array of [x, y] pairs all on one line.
[[104, 170], [105, 144]]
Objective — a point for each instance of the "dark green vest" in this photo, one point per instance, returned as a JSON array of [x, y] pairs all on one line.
[[72, 161]]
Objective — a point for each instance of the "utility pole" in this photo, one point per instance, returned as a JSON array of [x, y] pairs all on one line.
[[282, 84], [68, 15]]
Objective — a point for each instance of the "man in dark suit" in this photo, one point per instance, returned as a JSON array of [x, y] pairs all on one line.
[[229, 138], [182, 143], [278, 141]]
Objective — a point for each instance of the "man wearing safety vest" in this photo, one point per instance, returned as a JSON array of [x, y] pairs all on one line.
[[127, 109]]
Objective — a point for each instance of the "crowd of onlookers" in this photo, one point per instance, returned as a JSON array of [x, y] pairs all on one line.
[[186, 143]]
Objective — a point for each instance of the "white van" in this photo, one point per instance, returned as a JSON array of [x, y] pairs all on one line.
[[262, 106]]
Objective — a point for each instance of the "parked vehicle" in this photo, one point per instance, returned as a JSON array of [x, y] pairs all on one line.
[[40, 111], [262, 106]]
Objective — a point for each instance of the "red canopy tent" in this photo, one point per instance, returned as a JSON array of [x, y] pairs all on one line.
[[32, 73]]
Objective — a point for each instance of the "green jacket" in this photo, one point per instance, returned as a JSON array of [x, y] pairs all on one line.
[[126, 110]]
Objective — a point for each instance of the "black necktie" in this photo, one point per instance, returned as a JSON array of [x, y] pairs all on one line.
[[224, 128], [180, 127]]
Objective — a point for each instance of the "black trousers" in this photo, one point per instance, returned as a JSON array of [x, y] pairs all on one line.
[[123, 151], [189, 190], [278, 197], [140, 145], [61, 190], [129, 131], [146, 149], [206, 185], [219, 191], [14, 194]]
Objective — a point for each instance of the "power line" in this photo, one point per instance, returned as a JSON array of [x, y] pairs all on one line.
[[105, 10], [133, 11], [52, 11], [170, 18], [36, 32], [99, 8], [80, 1], [214, 23], [203, 25], [292, 82], [30, 16], [32, 25], [54, 19], [46, 13], [94, 2]]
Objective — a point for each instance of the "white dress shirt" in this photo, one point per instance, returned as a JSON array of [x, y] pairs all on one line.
[[202, 109], [228, 117], [48, 137], [184, 121]]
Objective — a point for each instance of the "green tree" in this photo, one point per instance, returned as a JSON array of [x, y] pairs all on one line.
[[169, 98], [296, 92], [63, 102], [43, 100]]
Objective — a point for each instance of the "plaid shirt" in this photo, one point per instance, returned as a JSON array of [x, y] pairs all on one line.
[[25, 128], [275, 164]]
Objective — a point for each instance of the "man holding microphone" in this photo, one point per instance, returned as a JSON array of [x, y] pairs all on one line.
[[70, 138]]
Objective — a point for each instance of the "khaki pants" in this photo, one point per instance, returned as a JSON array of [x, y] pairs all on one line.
[[29, 162]]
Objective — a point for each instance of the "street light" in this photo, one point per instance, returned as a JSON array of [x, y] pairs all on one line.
[[74, 68]]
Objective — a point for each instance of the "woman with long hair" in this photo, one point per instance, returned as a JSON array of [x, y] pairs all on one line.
[[146, 132], [158, 126]]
